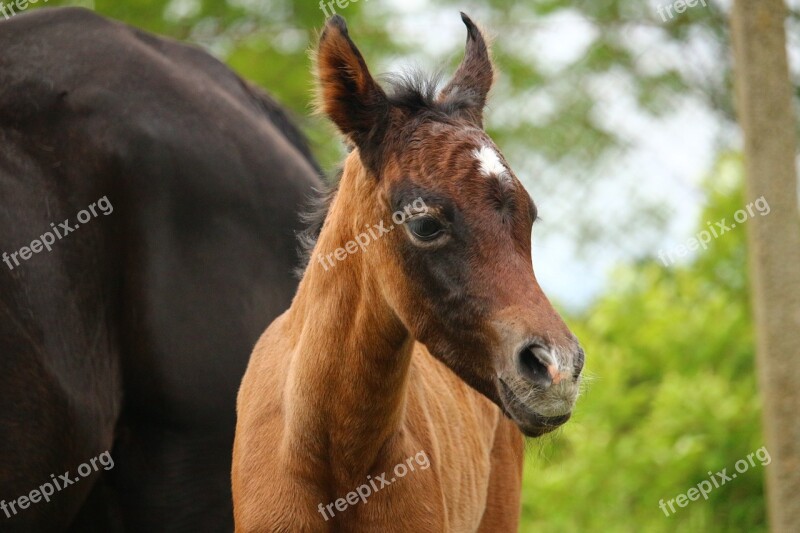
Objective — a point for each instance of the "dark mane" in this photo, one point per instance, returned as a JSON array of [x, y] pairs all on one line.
[[416, 92], [314, 217]]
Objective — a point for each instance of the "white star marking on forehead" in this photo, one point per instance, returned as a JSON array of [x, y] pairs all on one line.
[[490, 163]]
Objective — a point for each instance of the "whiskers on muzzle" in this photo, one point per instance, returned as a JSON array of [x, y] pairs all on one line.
[[548, 401]]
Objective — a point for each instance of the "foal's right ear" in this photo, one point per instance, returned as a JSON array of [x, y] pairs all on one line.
[[347, 92]]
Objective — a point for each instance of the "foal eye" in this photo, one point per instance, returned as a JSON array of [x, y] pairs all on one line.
[[425, 228]]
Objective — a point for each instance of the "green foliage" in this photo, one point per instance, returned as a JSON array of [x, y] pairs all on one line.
[[671, 396]]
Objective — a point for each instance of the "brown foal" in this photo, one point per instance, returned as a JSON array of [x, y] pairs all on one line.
[[431, 340]]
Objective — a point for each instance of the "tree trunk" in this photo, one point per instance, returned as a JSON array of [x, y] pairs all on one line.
[[767, 119]]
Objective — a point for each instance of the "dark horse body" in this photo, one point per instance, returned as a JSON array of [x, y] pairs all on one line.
[[133, 333]]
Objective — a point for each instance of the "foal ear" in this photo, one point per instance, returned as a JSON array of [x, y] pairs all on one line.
[[470, 85], [347, 92]]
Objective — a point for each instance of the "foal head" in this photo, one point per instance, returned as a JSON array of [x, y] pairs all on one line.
[[458, 275]]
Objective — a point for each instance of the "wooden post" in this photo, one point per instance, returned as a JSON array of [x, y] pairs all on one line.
[[767, 118]]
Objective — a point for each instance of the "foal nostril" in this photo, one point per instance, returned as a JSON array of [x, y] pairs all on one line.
[[579, 359], [535, 363]]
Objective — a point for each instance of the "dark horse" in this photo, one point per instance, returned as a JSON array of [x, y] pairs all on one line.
[[148, 212]]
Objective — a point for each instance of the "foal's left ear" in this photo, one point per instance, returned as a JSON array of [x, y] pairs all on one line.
[[468, 89], [348, 94]]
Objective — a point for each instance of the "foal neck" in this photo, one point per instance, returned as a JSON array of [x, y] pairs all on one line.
[[349, 370]]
